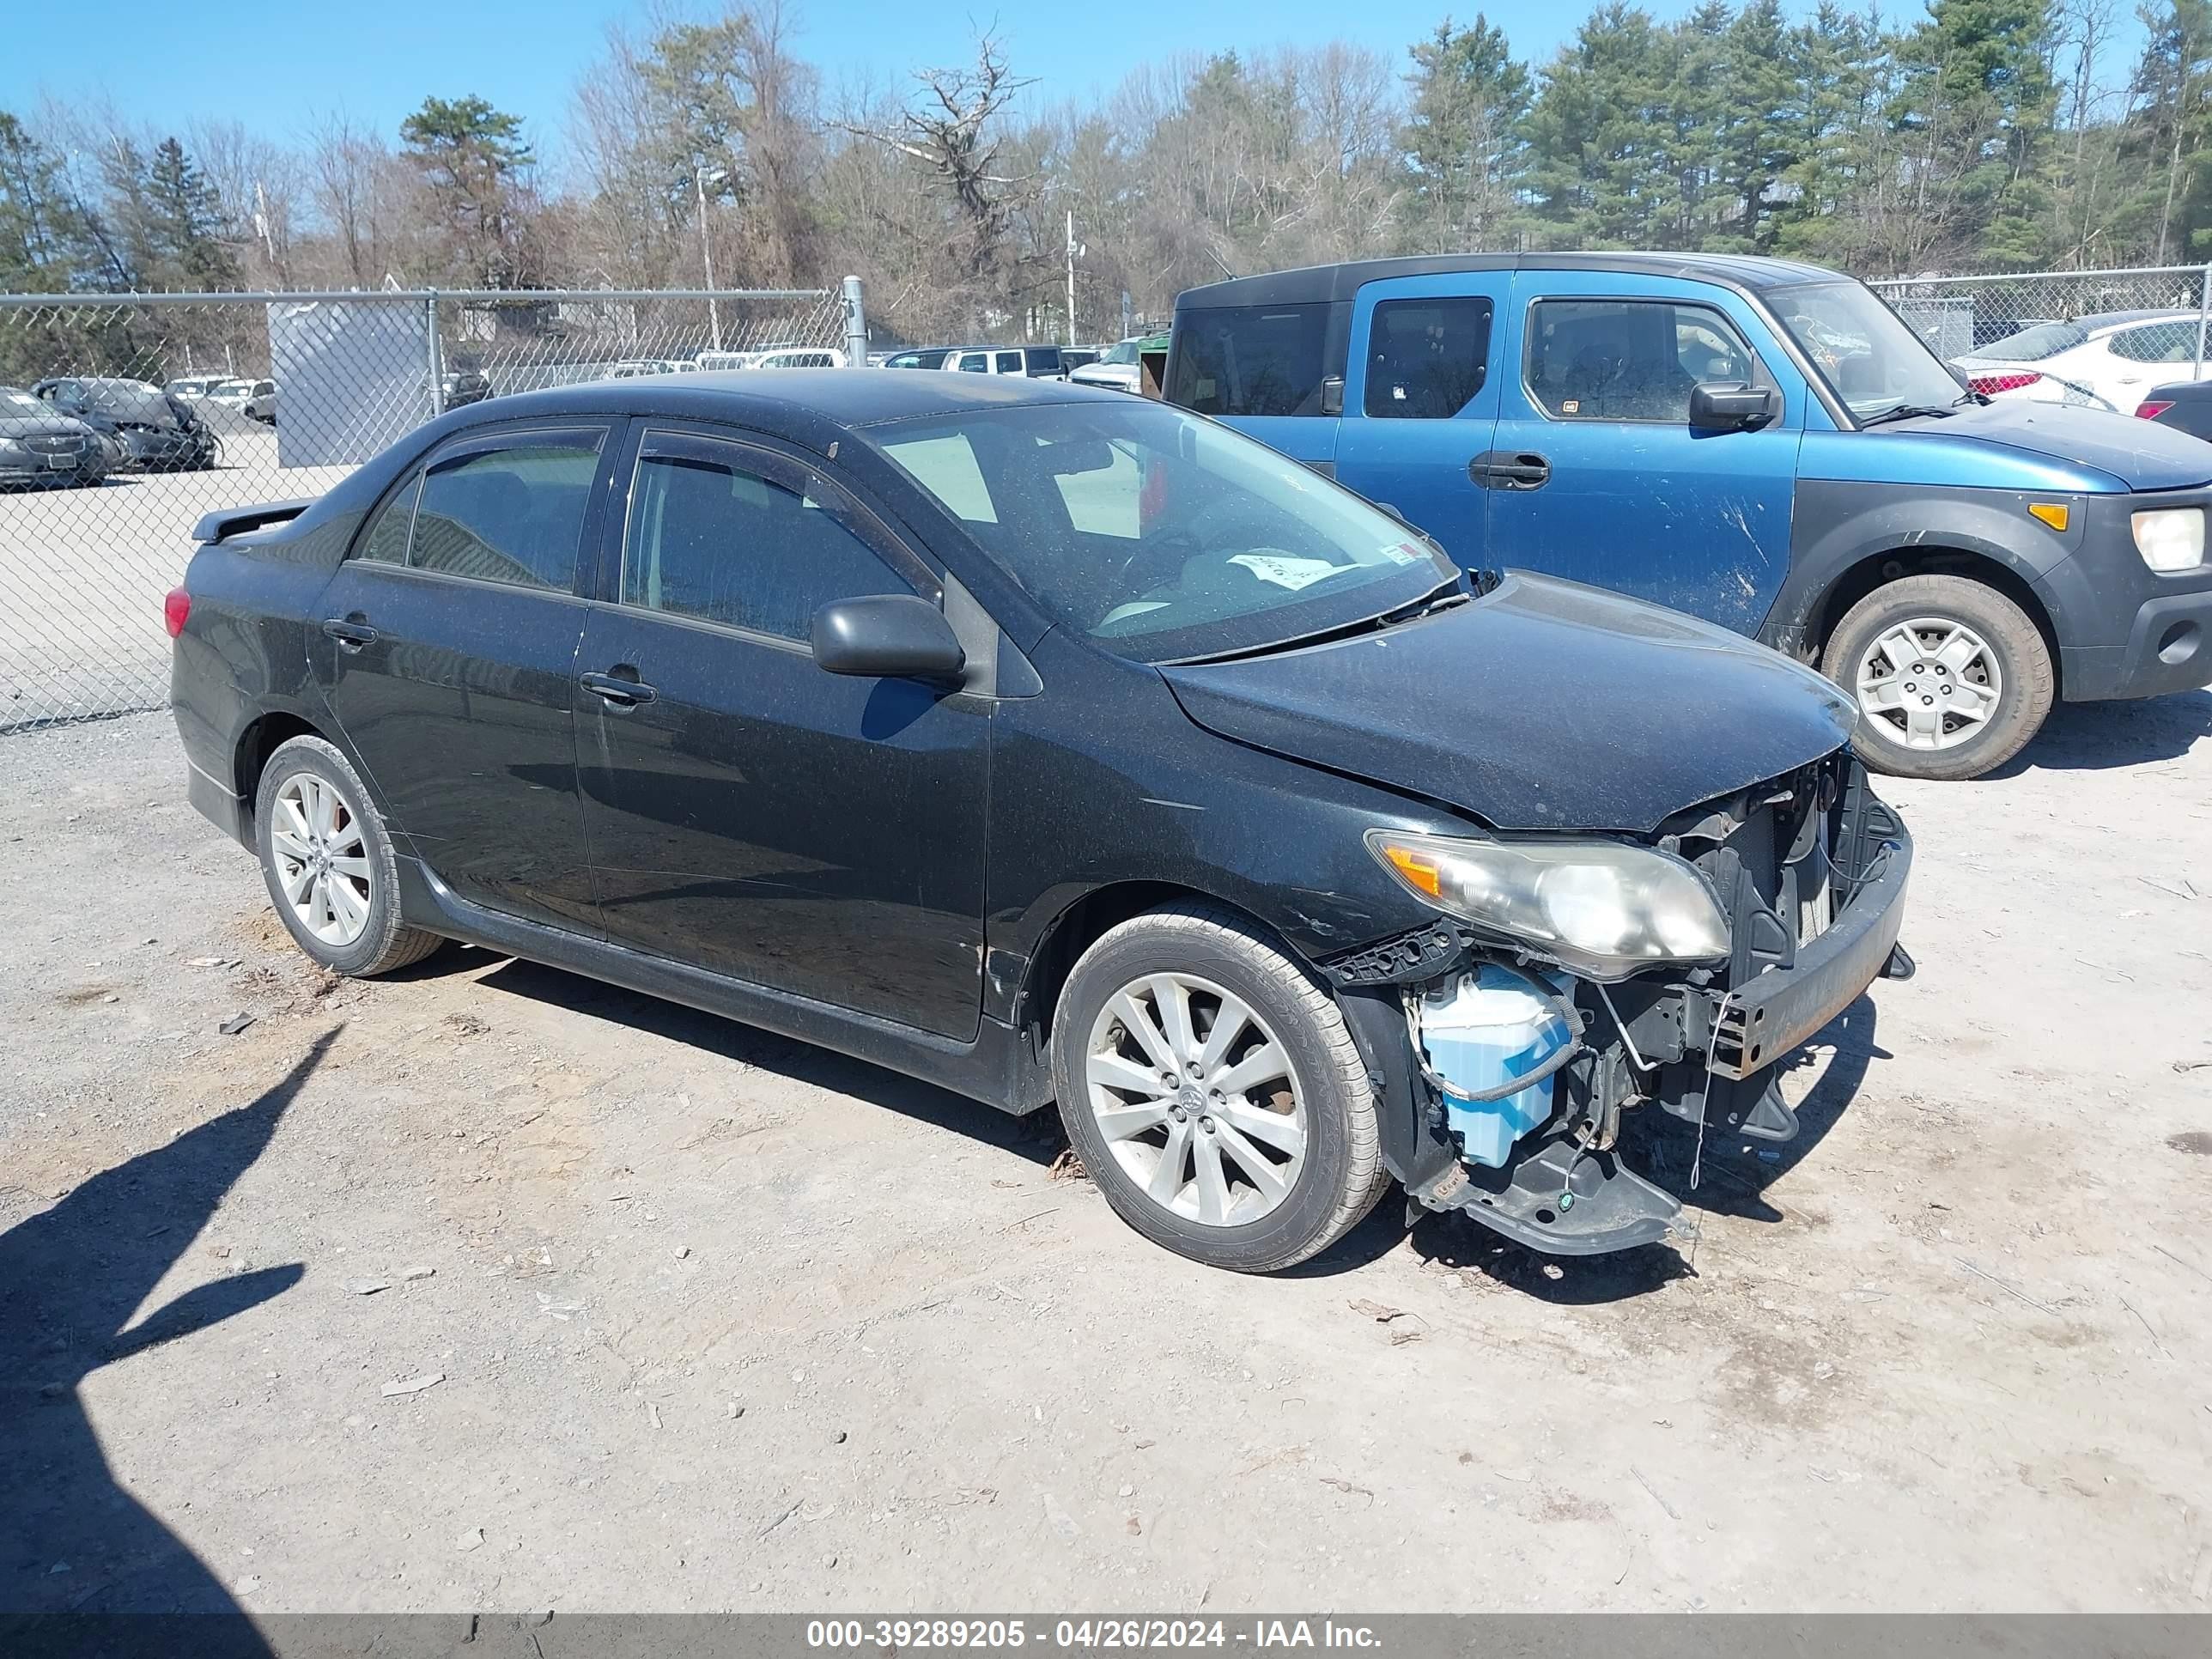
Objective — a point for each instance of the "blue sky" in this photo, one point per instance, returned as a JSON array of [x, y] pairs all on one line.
[[279, 67]]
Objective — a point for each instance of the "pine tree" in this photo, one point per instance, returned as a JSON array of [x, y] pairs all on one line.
[[1464, 138]]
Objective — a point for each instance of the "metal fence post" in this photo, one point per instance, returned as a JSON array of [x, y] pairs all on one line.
[[437, 369], [2203, 312], [856, 326]]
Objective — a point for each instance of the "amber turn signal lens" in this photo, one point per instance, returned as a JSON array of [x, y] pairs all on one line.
[[2052, 513], [1418, 870]]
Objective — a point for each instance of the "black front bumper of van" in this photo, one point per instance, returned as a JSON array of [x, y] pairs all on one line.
[[2125, 630]]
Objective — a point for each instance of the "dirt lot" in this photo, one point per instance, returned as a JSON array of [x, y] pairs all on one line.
[[721, 1321]]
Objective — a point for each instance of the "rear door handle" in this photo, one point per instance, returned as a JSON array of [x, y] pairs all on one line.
[[351, 636], [624, 691], [1510, 469]]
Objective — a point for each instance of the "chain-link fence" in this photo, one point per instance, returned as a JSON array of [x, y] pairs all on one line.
[[2096, 335], [126, 417]]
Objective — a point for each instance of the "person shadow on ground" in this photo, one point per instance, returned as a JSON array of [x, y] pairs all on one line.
[[74, 1542]]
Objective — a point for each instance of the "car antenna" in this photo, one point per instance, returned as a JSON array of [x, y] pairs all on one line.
[[1219, 260]]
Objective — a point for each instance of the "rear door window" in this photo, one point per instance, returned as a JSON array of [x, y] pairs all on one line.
[[1250, 360], [511, 513], [2158, 343], [1426, 359]]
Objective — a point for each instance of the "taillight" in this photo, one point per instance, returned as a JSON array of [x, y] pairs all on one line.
[[176, 611], [1989, 385], [2152, 411]]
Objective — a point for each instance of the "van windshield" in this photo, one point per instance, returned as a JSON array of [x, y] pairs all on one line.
[[1161, 536], [1868, 356]]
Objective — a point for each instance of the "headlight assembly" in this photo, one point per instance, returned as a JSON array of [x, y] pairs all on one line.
[[1603, 909], [2171, 539]]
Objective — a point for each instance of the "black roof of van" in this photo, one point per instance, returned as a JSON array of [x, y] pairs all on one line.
[[1312, 283]]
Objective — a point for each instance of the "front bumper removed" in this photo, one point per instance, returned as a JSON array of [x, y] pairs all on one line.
[[1704, 1047]]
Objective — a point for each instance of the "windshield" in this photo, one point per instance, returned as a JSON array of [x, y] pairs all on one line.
[[1869, 358], [1125, 352], [2032, 345], [1159, 534]]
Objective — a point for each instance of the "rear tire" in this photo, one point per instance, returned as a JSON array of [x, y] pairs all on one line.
[[1246, 1077], [329, 864], [1950, 678]]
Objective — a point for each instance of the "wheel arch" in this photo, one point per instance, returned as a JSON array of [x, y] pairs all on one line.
[[1876, 570], [1080, 923], [262, 737]]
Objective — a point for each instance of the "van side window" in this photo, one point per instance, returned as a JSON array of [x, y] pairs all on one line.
[[1250, 360], [1630, 359], [1426, 358]]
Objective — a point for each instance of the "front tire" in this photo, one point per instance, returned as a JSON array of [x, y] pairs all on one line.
[[1951, 677], [329, 864], [1214, 1091]]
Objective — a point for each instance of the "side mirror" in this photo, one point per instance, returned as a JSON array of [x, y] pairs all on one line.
[[887, 636], [1732, 405]]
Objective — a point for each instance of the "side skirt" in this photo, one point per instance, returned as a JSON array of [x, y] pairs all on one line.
[[995, 1068]]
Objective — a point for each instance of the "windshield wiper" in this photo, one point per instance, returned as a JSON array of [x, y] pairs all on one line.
[[1444, 595], [1909, 411]]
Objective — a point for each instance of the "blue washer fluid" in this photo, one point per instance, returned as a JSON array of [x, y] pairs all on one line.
[[1484, 1028]]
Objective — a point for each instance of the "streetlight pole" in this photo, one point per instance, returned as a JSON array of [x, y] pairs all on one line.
[[706, 252], [1071, 276]]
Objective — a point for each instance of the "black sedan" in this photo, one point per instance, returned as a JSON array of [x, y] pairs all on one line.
[[1053, 745], [2185, 405], [40, 446], [146, 428]]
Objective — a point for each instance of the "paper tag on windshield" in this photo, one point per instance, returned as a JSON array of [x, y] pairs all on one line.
[[1283, 570], [1401, 553]]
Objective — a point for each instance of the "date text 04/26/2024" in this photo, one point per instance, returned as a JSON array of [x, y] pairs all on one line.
[[988, 1634]]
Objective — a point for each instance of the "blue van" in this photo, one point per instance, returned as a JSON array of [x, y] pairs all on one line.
[[1760, 443]]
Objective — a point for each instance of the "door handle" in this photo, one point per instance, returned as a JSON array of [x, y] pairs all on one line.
[[350, 635], [1510, 469], [622, 690]]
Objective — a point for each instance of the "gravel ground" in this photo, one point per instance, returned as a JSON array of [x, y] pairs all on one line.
[[693, 1317]]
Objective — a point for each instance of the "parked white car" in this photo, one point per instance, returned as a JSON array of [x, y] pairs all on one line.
[[1116, 367], [255, 399], [631, 368], [774, 356], [2102, 361], [193, 387]]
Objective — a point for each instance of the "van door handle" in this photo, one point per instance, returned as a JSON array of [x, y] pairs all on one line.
[[1510, 469], [623, 691], [351, 636]]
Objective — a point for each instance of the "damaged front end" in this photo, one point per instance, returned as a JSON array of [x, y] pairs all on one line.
[[1567, 981]]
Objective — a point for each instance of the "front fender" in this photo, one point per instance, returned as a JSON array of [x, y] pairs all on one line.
[[1839, 526]]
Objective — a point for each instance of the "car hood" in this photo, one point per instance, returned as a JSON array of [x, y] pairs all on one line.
[[1544, 705], [2141, 454], [41, 426]]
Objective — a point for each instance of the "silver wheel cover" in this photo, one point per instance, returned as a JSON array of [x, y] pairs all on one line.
[[1931, 683], [322, 859], [1196, 1099]]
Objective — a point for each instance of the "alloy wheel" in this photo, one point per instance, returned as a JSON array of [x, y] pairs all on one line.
[[1930, 682], [1196, 1099], [322, 859]]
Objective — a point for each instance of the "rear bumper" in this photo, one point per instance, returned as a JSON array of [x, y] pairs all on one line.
[[220, 804]]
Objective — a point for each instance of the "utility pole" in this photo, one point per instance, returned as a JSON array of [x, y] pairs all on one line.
[[1071, 276], [707, 252]]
